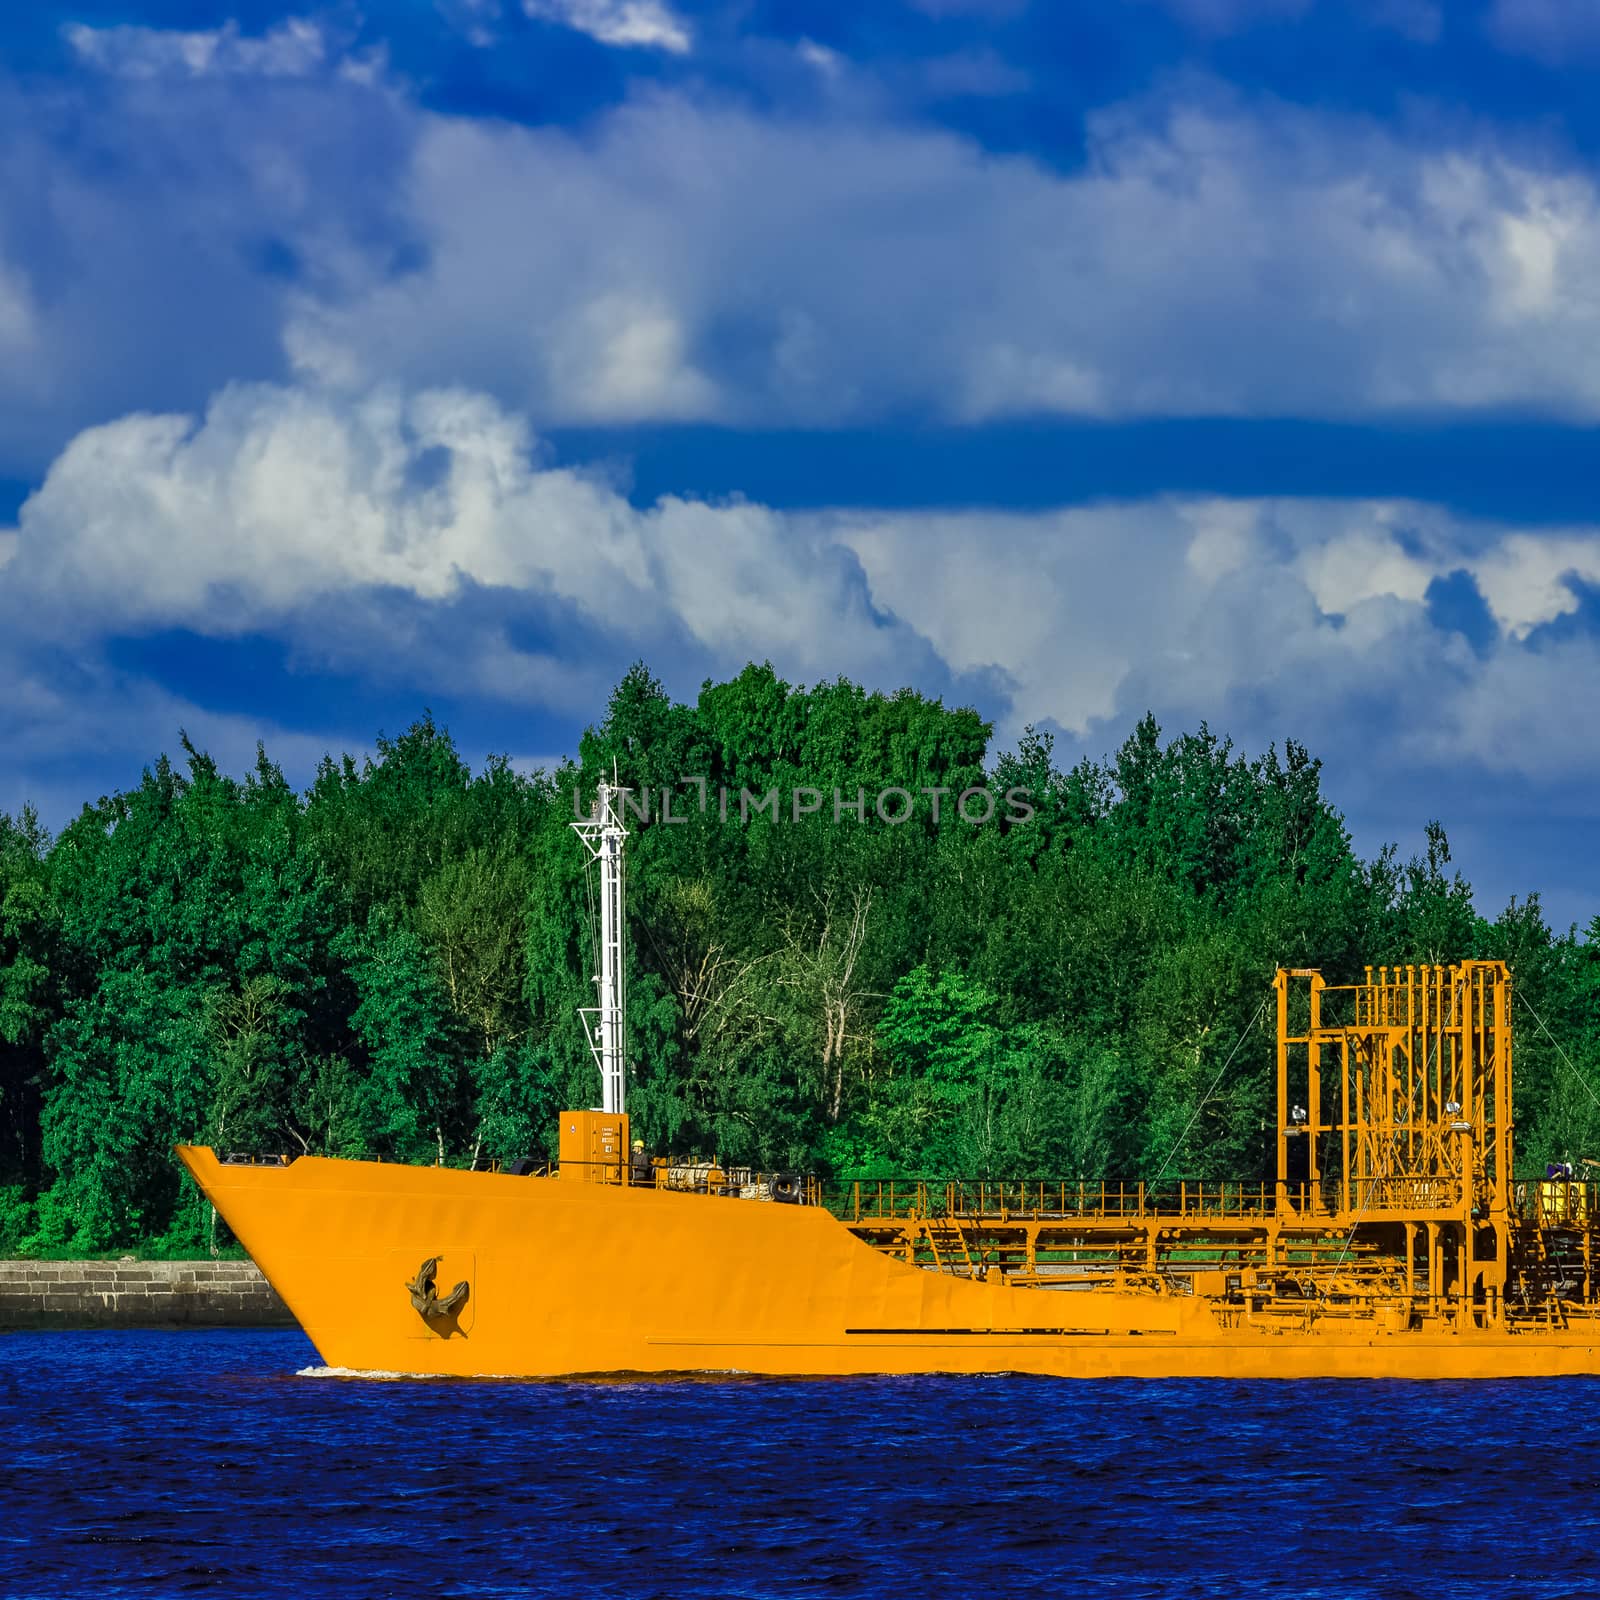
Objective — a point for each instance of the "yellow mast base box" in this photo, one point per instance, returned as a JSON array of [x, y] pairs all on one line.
[[594, 1146]]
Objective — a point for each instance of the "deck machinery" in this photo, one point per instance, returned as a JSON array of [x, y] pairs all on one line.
[[1394, 1196]]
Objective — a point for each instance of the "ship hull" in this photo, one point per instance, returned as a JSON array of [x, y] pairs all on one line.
[[567, 1279]]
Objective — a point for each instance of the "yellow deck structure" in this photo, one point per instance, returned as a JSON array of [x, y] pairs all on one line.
[[1393, 1241]]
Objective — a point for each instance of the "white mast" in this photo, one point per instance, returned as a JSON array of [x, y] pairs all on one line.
[[603, 833]]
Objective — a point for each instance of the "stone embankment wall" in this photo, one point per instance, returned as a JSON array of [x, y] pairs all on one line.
[[137, 1294]]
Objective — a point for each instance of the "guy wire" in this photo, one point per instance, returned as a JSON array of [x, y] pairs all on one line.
[[1248, 1027]]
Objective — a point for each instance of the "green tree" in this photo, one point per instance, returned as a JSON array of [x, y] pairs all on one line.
[[410, 1103], [392, 963], [30, 960], [132, 1078]]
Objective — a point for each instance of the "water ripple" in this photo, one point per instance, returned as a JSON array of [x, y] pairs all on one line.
[[176, 1464]]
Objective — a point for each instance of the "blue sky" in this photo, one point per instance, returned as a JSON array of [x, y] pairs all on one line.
[[1236, 359]]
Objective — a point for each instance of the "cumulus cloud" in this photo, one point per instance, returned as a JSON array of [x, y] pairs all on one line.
[[294, 49], [638, 23], [1081, 606], [1269, 617], [103, 710], [691, 262], [156, 215], [241, 207], [388, 527], [1288, 618], [427, 540], [281, 501]]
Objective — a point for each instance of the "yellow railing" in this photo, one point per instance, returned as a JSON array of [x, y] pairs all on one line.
[[894, 1200], [1545, 1202], [872, 1200]]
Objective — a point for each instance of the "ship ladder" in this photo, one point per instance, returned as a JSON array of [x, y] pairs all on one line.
[[1545, 1267], [974, 1264], [952, 1227], [1534, 1250], [1522, 1286], [1555, 1307], [940, 1264]]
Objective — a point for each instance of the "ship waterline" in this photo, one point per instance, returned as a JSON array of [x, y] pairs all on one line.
[[570, 1279]]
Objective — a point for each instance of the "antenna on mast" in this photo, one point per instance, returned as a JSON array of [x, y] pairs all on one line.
[[603, 833]]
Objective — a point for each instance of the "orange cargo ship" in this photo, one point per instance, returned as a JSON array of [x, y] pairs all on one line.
[[1392, 1241]]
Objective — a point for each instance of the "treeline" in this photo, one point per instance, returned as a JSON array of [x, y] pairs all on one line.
[[391, 963]]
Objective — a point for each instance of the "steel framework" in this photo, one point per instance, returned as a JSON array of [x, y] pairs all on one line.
[[1393, 1198]]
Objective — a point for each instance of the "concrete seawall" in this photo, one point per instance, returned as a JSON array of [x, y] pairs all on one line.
[[137, 1294]]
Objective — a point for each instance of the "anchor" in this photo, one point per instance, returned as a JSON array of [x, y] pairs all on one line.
[[429, 1304]]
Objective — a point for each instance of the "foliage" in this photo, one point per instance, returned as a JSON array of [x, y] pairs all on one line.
[[392, 962]]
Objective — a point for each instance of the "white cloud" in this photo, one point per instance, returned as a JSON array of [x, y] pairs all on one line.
[[425, 544], [397, 534], [829, 63], [1201, 262], [281, 501], [643, 23], [296, 48], [1525, 577], [1365, 563], [682, 260], [153, 226], [1269, 617], [627, 355], [477, 20]]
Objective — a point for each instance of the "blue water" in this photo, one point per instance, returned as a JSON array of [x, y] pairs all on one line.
[[181, 1463]]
